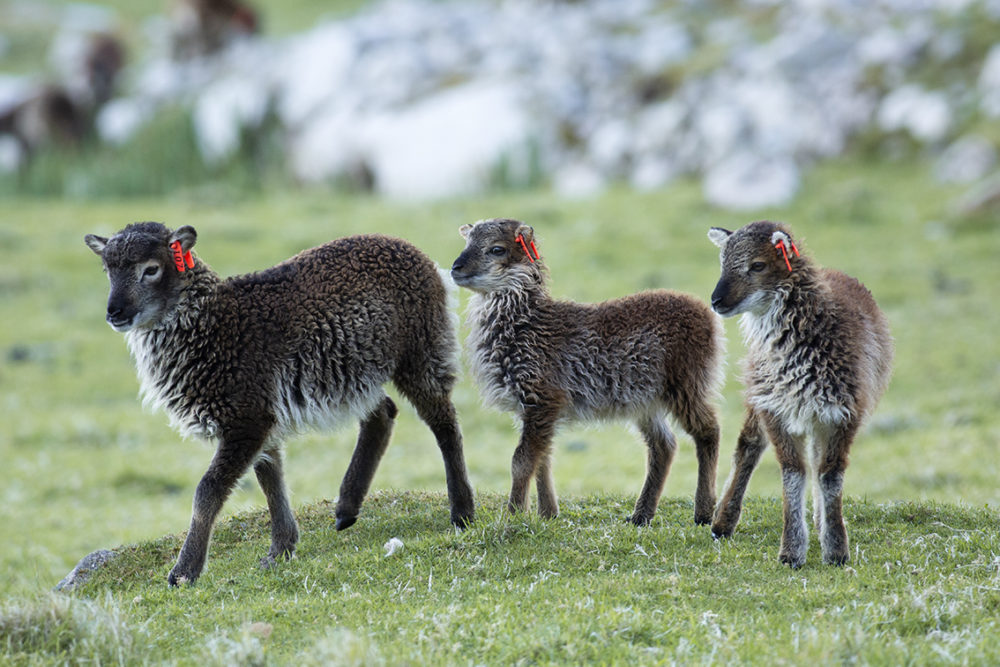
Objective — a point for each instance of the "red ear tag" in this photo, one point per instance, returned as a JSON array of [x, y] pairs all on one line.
[[180, 257], [780, 245], [520, 239]]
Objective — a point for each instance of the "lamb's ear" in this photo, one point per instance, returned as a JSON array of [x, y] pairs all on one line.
[[719, 236], [779, 236], [186, 235], [465, 230], [96, 243], [526, 232]]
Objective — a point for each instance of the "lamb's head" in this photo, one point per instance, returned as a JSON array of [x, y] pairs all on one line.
[[758, 262], [499, 255], [146, 280]]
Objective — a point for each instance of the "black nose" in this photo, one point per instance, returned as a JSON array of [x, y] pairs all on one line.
[[114, 313], [716, 301], [458, 265]]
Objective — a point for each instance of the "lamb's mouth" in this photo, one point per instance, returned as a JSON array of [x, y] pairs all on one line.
[[121, 324]]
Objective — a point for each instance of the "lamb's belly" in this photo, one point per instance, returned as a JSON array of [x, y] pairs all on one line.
[[801, 412]]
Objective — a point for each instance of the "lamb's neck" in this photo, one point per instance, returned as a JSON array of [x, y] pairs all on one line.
[[791, 311], [510, 307]]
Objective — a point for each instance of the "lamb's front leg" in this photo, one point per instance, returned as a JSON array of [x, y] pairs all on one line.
[[832, 462], [794, 479], [538, 428], [661, 445], [232, 458], [548, 502]]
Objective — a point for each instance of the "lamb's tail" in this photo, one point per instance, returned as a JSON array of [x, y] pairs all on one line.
[[451, 304]]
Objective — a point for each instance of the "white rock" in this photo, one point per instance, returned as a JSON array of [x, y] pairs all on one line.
[[966, 160], [745, 182], [11, 153], [121, 118], [448, 144], [578, 180], [328, 147], [926, 115], [651, 173], [223, 111], [313, 68]]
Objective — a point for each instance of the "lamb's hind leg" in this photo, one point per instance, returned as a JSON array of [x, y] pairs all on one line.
[[373, 439], [749, 447], [284, 531], [438, 413], [698, 418], [661, 445]]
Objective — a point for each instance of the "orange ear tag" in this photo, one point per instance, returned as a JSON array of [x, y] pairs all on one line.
[[520, 239], [180, 257], [780, 245]]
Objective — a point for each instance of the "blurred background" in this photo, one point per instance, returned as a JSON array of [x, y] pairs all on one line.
[[620, 129], [428, 99]]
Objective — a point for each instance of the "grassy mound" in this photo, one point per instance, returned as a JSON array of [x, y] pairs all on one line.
[[923, 586]]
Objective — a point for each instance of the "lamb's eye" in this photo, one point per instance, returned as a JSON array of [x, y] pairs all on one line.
[[498, 250], [151, 271], [757, 267]]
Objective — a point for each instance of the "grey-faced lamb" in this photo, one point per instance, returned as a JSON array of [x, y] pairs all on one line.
[[819, 357], [250, 359], [640, 358]]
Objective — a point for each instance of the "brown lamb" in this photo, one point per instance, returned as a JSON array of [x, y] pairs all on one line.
[[819, 357], [641, 358], [251, 359]]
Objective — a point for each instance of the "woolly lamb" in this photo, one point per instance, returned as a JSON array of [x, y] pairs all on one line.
[[251, 359], [639, 358], [819, 355]]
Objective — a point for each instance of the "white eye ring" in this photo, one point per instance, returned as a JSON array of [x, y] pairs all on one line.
[[151, 271]]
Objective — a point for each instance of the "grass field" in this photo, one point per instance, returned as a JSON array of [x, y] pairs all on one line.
[[89, 469]]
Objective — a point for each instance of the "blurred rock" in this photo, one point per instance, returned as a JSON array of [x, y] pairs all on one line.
[[85, 568], [746, 181], [966, 160], [981, 199], [926, 115], [419, 98]]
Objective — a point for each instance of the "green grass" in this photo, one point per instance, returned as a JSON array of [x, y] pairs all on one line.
[[923, 587], [88, 469]]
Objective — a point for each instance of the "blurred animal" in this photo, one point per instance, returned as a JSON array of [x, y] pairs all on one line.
[[62, 115], [640, 358], [202, 27], [250, 359], [819, 357]]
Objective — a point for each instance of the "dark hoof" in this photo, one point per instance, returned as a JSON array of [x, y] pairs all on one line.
[[175, 579], [345, 522], [640, 521], [719, 533], [794, 563], [462, 522], [839, 560]]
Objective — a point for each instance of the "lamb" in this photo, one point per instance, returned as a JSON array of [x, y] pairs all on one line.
[[638, 358], [819, 357], [251, 359]]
